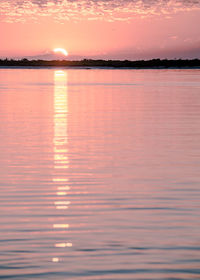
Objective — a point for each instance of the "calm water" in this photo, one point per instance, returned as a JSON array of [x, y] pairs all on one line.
[[100, 174]]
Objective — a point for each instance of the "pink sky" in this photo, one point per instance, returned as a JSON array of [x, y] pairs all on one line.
[[116, 29]]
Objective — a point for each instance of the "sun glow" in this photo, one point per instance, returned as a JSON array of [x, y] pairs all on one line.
[[60, 50]]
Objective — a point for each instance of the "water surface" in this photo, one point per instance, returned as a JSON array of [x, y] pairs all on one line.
[[99, 174]]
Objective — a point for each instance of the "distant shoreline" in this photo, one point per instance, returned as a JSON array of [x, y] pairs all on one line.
[[103, 64], [99, 68]]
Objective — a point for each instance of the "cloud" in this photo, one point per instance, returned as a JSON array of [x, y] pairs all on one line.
[[61, 10]]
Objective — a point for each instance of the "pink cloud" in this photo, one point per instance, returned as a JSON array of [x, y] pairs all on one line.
[[111, 10]]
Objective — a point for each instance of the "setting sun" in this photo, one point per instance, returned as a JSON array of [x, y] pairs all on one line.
[[60, 50]]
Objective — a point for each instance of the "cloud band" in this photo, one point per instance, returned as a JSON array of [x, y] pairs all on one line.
[[62, 10]]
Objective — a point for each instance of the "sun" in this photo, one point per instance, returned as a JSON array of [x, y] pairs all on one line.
[[60, 50]]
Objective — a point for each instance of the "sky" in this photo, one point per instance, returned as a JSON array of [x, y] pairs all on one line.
[[106, 29]]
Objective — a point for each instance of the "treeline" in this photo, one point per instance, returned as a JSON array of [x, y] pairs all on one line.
[[154, 63]]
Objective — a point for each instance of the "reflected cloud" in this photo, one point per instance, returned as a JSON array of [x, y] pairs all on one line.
[[62, 10]]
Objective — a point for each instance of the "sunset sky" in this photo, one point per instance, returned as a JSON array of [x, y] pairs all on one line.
[[115, 29]]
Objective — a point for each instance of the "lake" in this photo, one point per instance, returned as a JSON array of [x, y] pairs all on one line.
[[100, 174]]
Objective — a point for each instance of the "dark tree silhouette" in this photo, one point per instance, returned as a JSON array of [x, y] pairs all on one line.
[[139, 64]]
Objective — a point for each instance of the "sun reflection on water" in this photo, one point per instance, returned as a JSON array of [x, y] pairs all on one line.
[[61, 159]]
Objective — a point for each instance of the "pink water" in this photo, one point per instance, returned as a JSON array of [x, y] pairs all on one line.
[[99, 174]]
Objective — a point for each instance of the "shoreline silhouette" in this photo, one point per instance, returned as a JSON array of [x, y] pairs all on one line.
[[138, 64]]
